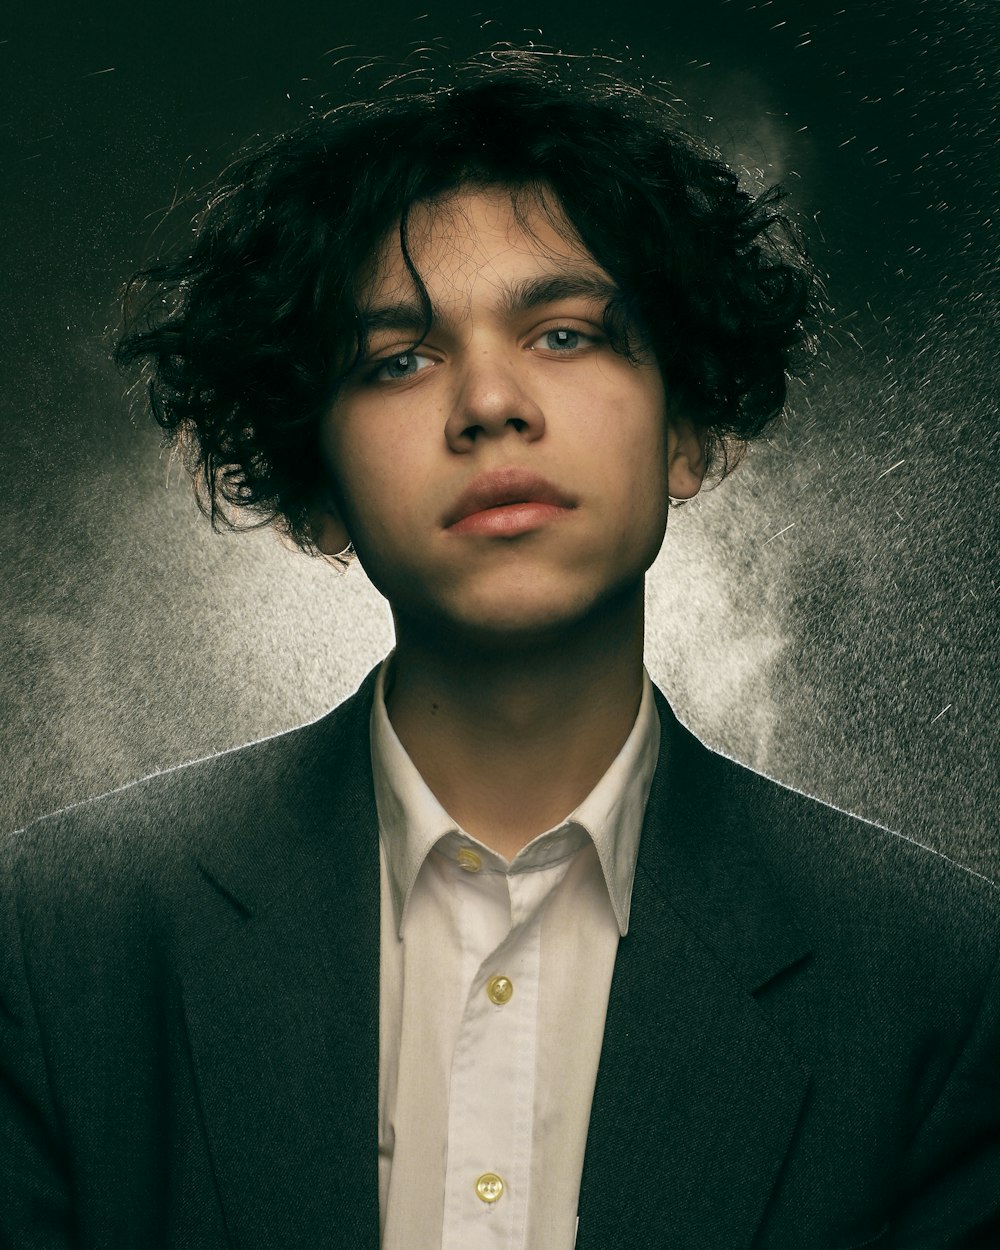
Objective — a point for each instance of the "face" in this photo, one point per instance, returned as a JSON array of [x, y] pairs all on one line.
[[512, 473]]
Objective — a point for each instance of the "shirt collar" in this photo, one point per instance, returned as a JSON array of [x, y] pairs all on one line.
[[412, 821]]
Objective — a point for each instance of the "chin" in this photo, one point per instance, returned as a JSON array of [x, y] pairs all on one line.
[[497, 627], [515, 619]]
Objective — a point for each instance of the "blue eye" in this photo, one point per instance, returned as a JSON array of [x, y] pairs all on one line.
[[562, 340], [396, 368], [565, 341]]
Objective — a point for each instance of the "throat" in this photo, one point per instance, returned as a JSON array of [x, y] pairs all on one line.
[[510, 755]]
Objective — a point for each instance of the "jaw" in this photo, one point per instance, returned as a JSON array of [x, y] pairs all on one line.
[[531, 625]]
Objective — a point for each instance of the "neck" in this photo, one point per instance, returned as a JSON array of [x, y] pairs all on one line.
[[511, 739]]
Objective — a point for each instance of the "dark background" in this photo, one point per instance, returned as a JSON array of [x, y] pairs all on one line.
[[828, 614]]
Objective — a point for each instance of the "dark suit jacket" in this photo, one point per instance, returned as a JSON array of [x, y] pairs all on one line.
[[802, 1042]]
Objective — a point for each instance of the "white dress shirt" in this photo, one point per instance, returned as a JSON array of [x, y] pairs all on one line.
[[494, 988]]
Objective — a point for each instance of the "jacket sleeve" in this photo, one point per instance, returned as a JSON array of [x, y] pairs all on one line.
[[35, 1201], [952, 1181]]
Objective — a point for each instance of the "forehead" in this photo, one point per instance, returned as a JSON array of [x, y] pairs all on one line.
[[475, 240]]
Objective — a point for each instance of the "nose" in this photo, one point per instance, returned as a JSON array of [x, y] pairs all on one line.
[[492, 401]]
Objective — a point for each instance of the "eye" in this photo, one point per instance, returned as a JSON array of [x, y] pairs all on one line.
[[398, 368], [563, 340]]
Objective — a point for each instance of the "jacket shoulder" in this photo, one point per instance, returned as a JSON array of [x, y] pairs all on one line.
[[149, 833], [840, 872]]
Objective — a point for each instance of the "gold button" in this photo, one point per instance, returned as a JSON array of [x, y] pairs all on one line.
[[468, 859], [489, 1187], [499, 990]]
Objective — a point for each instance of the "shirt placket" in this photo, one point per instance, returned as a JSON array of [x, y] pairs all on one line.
[[492, 1089]]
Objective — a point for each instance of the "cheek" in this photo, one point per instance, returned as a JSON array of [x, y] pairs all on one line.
[[642, 452], [347, 465], [638, 437], [376, 486], [646, 501], [346, 477]]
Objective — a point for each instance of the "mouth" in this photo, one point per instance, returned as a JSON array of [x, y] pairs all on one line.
[[509, 519], [505, 496]]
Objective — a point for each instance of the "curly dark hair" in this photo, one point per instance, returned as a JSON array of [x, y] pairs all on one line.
[[245, 339]]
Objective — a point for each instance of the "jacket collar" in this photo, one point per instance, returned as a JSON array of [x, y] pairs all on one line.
[[704, 850]]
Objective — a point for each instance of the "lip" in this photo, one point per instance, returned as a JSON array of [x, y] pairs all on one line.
[[501, 487]]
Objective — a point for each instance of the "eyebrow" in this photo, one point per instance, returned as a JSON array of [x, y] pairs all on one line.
[[514, 298]]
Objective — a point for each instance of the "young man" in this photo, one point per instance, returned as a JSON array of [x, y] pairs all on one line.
[[496, 954]]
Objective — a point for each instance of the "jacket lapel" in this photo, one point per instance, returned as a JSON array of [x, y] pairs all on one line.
[[697, 1095], [281, 989]]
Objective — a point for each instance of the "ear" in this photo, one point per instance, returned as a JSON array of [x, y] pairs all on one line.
[[329, 532], [685, 458]]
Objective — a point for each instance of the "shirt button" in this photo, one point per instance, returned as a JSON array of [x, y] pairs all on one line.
[[468, 859], [499, 990], [489, 1187]]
